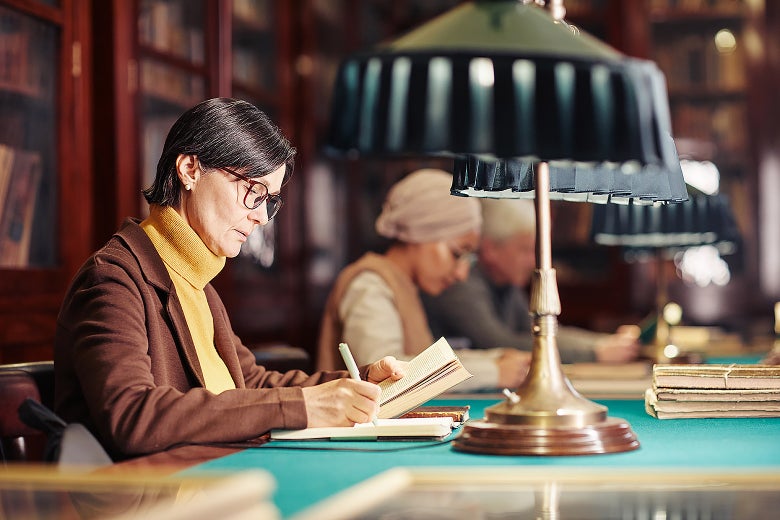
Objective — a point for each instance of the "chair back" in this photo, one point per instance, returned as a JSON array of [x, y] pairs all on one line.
[[15, 387], [43, 374]]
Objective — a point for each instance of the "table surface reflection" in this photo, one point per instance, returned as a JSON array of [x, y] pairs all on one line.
[[534, 493]]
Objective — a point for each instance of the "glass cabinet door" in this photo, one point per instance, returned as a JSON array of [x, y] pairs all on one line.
[[254, 52], [702, 49], [172, 72], [28, 141], [254, 62]]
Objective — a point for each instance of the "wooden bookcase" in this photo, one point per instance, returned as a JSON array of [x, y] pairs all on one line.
[[45, 167], [158, 58], [713, 80]]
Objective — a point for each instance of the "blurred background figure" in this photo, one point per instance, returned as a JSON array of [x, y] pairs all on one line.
[[490, 308], [375, 304]]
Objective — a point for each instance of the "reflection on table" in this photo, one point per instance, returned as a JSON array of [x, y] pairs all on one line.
[[536, 493], [48, 493]]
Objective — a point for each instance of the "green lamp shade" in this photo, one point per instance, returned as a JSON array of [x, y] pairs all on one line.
[[501, 79], [703, 219], [603, 182]]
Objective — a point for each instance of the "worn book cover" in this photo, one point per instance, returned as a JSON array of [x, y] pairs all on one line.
[[733, 376], [716, 394], [459, 414], [708, 409]]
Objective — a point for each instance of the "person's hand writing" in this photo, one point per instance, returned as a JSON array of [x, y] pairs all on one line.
[[387, 367], [342, 402], [620, 347], [513, 366]]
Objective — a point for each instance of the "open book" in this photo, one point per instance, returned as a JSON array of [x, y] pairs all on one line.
[[433, 371]]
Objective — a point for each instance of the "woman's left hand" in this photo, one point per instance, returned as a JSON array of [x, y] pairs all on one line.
[[387, 367]]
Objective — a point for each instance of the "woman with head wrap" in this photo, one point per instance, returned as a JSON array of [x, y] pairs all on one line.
[[375, 304]]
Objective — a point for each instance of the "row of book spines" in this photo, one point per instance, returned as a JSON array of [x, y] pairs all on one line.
[[695, 61], [725, 125], [20, 176], [19, 71], [169, 26], [690, 5]]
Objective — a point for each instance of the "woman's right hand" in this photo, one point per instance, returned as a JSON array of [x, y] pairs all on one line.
[[342, 402], [513, 366]]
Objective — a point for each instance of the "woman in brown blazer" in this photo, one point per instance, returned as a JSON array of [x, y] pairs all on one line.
[[145, 356]]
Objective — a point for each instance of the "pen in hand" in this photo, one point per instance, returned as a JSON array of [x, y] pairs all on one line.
[[352, 368]]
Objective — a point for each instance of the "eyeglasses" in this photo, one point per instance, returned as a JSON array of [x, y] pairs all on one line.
[[466, 257], [257, 193]]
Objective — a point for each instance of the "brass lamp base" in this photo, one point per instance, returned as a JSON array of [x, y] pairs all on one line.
[[546, 416], [612, 435]]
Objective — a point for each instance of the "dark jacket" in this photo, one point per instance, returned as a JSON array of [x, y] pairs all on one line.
[[126, 366]]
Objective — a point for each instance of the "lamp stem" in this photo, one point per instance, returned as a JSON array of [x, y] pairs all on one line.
[[546, 415], [546, 396], [557, 10], [544, 287], [543, 225]]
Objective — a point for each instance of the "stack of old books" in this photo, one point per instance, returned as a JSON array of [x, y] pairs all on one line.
[[695, 391]]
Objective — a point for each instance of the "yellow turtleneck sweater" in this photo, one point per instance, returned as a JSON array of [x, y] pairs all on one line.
[[191, 265]]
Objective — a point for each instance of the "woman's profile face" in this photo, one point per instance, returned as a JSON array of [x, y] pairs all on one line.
[[214, 208], [438, 265]]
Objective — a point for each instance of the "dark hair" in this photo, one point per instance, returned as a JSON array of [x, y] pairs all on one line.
[[221, 132]]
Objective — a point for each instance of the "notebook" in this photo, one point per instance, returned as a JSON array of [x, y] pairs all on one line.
[[408, 428]]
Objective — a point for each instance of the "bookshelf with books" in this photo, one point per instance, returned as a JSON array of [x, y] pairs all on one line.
[[164, 57], [701, 48], [708, 50], [45, 167], [718, 61]]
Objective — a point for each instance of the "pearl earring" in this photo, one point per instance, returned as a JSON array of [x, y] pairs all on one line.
[[187, 187]]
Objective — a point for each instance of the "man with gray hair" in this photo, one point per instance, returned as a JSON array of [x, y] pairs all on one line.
[[490, 308]]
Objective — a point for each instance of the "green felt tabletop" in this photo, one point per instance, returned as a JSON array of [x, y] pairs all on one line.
[[740, 360], [306, 473]]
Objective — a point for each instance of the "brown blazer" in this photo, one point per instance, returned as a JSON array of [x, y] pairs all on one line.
[[125, 363], [417, 335]]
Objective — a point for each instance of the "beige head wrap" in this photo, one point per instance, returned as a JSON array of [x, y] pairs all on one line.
[[419, 208], [503, 218]]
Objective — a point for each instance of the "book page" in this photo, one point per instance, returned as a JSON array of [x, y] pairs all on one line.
[[442, 373], [426, 363], [420, 394]]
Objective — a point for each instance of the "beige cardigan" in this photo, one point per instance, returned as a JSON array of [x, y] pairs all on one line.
[[416, 334]]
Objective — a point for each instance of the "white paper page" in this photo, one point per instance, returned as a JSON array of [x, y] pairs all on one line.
[[427, 362]]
